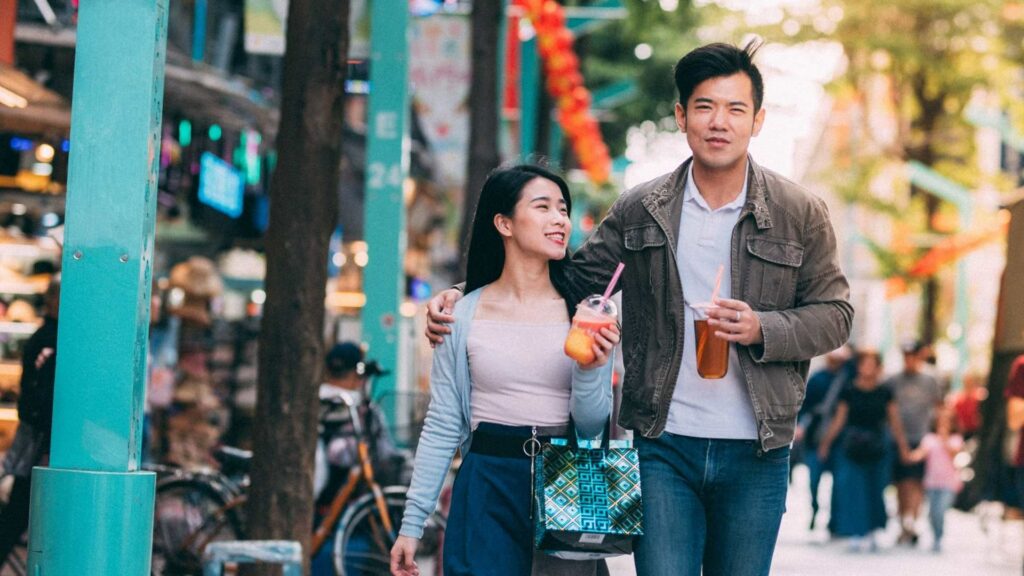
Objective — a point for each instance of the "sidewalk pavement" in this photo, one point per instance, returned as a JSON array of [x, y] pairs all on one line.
[[976, 544]]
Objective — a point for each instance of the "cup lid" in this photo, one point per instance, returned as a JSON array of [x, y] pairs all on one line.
[[597, 303]]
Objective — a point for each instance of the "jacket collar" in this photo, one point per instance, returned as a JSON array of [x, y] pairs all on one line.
[[665, 200]]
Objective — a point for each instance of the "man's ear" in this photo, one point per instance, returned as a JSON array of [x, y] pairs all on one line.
[[680, 113], [758, 122]]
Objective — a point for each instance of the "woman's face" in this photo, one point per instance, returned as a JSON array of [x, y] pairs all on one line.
[[540, 222], [867, 369]]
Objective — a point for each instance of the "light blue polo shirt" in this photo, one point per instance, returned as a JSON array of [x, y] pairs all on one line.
[[708, 408]]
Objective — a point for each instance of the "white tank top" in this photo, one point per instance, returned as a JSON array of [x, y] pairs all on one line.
[[520, 375]]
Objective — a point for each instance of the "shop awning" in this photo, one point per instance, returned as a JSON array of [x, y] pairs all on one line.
[[27, 107], [204, 92], [209, 94]]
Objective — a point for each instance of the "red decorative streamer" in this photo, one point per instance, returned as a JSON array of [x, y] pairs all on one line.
[[565, 85]]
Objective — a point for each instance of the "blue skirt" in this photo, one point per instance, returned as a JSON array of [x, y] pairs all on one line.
[[489, 530], [858, 505]]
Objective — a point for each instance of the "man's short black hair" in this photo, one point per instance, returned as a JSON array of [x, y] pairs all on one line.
[[715, 61]]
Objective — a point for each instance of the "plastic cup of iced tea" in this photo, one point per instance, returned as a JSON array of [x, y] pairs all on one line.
[[712, 351], [594, 313]]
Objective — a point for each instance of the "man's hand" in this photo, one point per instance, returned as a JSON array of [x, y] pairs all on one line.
[[439, 315], [402, 554], [735, 321]]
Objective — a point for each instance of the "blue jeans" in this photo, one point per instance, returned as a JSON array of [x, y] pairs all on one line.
[[711, 503], [939, 500], [815, 468]]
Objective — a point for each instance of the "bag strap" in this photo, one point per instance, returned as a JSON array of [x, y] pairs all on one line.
[[574, 437]]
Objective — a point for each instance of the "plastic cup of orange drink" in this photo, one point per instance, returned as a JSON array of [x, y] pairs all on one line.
[[594, 313], [712, 351]]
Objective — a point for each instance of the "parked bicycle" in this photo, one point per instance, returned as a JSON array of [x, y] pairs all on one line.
[[195, 508]]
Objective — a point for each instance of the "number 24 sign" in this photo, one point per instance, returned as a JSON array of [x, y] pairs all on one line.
[[381, 175]]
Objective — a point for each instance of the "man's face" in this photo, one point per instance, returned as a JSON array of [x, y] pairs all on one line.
[[719, 120], [911, 362]]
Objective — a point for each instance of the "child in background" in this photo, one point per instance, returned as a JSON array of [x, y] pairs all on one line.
[[941, 479]]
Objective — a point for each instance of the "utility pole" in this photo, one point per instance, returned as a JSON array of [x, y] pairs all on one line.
[[92, 507], [387, 162]]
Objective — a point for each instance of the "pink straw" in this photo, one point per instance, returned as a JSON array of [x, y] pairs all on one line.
[[611, 285], [718, 283]]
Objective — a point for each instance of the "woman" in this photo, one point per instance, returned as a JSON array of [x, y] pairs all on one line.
[[501, 378], [860, 473]]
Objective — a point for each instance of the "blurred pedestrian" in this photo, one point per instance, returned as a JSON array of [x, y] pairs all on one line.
[[344, 390], [823, 389], [966, 405], [1015, 420], [31, 446], [941, 479], [860, 471], [347, 377], [919, 396], [501, 380]]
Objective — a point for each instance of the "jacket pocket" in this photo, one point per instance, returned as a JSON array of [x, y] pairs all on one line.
[[645, 247], [774, 269]]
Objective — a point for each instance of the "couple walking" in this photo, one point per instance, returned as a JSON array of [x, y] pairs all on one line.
[[714, 453]]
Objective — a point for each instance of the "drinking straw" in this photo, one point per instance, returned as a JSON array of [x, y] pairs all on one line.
[[718, 282], [611, 285]]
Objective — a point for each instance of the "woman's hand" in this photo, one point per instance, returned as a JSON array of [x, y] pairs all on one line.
[[605, 341], [402, 554], [823, 450]]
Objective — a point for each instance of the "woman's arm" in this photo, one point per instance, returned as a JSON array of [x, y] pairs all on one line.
[[443, 432], [591, 399], [892, 413], [838, 421]]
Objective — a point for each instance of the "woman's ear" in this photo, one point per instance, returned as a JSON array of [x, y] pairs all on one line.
[[502, 224]]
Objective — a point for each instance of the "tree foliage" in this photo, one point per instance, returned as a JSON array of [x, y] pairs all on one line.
[[913, 69], [609, 56]]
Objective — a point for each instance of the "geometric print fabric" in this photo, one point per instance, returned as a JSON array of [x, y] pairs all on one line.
[[588, 490]]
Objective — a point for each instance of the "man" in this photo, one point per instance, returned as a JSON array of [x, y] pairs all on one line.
[[337, 450], [918, 396], [714, 454], [347, 375], [31, 445], [823, 388]]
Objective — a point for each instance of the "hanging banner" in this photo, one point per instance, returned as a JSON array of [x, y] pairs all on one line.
[[266, 20], [439, 71]]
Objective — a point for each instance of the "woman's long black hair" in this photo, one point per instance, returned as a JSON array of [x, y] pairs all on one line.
[[486, 255]]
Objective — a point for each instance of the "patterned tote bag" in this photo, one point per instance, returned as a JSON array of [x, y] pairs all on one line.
[[587, 500]]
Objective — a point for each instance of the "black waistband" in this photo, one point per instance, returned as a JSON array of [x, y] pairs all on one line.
[[510, 441]]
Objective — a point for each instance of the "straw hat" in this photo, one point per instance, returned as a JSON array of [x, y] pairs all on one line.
[[197, 276]]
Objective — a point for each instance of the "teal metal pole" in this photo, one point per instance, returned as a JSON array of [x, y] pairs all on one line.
[[386, 167], [92, 509], [199, 31]]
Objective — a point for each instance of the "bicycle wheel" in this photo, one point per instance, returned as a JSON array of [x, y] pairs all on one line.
[[189, 515], [363, 548]]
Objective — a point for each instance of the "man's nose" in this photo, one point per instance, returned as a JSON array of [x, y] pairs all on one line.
[[717, 118]]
